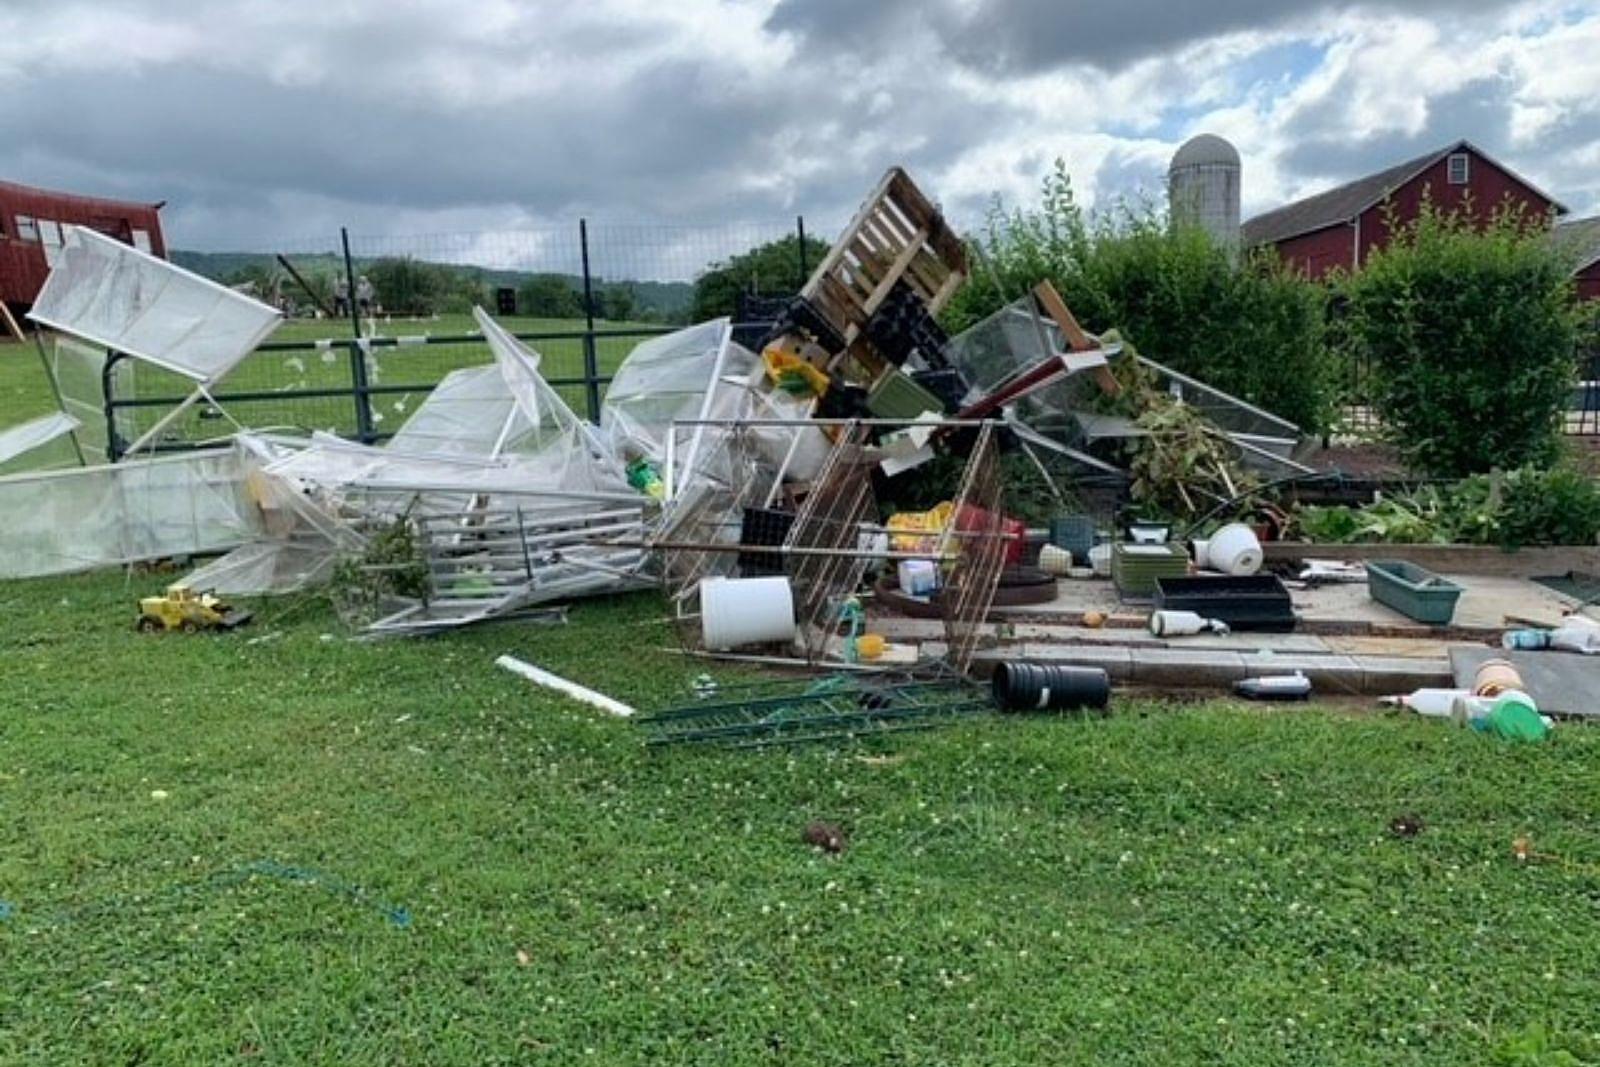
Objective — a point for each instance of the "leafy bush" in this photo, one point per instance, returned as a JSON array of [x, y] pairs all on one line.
[[550, 296], [772, 269], [1514, 509], [407, 286], [1472, 338], [1249, 327]]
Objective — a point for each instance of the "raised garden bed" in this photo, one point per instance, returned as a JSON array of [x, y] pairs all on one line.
[[1449, 559]]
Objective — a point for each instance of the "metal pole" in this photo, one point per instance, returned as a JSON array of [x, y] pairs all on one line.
[[591, 364], [113, 442], [55, 389], [358, 354], [800, 230]]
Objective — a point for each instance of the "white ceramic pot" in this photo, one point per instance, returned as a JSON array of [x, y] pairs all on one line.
[[1234, 550]]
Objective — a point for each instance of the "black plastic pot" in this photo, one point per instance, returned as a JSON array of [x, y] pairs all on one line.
[[1037, 687]]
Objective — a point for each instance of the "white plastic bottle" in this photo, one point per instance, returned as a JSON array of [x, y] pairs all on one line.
[[1434, 703]]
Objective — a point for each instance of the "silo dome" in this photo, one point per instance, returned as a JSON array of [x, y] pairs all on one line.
[[1206, 150], [1203, 187]]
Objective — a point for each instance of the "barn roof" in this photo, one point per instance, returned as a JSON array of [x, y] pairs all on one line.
[[87, 201], [1344, 203], [1582, 238]]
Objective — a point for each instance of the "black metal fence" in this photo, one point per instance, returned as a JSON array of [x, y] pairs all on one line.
[[352, 367], [1358, 413]]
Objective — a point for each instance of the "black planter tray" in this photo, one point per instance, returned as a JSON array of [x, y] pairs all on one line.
[[1259, 602]]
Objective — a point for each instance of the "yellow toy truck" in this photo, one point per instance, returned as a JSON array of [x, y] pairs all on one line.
[[181, 608]]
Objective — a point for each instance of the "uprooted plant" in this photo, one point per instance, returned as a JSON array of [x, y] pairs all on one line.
[[1181, 463], [390, 567]]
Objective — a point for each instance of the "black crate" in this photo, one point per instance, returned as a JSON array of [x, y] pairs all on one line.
[[1259, 602], [763, 526]]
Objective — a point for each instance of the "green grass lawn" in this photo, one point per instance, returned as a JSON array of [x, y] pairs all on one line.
[[24, 391], [207, 842]]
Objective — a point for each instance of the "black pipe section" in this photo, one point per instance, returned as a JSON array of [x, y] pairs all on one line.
[[1038, 687]]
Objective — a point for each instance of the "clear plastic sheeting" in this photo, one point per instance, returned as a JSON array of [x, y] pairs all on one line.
[[1017, 337], [507, 410], [266, 567], [41, 444], [107, 292], [80, 370], [77, 520], [673, 377]]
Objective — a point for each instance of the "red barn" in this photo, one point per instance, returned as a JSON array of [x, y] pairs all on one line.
[[30, 232], [1580, 238], [1340, 228]]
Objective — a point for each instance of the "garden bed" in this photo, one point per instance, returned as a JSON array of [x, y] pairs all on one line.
[[1453, 559]]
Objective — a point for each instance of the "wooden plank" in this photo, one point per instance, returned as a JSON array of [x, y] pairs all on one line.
[[831, 260], [896, 269], [1077, 339], [927, 274], [11, 324], [1057, 309], [946, 291]]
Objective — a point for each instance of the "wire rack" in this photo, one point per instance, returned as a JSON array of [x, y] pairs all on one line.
[[975, 538], [828, 528], [831, 708]]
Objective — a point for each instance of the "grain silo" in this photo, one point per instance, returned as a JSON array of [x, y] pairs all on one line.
[[1203, 187]]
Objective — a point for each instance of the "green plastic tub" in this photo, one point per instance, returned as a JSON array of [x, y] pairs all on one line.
[[1413, 591]]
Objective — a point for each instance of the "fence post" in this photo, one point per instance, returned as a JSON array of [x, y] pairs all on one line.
[[591, 362], [800, 229], [358, 355], [108, 390]]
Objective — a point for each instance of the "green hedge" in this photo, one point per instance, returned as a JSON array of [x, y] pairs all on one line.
[[1472, 337]]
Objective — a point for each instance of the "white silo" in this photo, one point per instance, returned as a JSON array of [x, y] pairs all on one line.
[[1203, 187]]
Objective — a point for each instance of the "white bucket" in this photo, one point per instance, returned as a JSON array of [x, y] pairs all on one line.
[[745, 611], [1234, 550], [1176, 623], [1100, 560]]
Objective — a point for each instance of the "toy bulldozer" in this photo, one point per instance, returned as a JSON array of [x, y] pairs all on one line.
[[181, 608]]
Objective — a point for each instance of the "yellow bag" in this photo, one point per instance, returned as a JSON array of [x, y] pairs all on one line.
[[918, 531], [791, 373]]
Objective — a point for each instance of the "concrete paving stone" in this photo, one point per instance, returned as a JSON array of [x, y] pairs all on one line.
[[1183, 668], [1384, 675]]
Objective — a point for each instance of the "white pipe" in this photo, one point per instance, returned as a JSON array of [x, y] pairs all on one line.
[[561, 685]]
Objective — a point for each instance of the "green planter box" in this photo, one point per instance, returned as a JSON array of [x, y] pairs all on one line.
[[1413, 591]]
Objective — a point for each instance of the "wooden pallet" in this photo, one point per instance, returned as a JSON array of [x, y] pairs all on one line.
[[897, 236]]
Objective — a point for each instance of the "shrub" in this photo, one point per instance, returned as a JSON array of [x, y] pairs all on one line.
[[771, 269], [1522, 508], [1247, 326], [1472, 337]]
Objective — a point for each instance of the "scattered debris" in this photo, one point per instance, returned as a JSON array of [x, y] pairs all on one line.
[[1041, 687], [824, 836], [1406, 826], [834, 707], [1285, 687], [561, 685]]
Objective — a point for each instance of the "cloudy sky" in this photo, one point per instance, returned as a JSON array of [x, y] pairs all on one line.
[[265, 123]]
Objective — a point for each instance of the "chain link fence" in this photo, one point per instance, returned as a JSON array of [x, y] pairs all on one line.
[[373, 323]]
